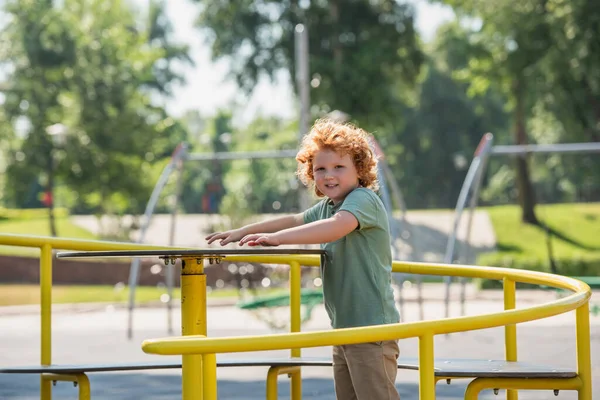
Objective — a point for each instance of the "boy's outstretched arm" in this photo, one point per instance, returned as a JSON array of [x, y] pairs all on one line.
[[272, 225], [322, 231]]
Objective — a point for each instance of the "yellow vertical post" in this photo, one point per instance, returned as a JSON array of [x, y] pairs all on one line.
[[193, 322], [46, 316], [426, 371], [295, 325], [510, 331], [584, 362], [209, 369]]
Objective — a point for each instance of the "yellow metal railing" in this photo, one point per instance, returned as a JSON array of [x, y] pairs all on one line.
[[207, 348], [190, 313], [424, 330], [46, 246]]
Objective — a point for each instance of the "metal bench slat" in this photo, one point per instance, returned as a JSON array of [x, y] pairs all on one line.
[[450, 368], [498, 369]]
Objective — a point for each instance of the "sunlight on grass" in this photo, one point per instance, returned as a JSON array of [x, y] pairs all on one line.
[[18, 294], [575, 228], [30, 294], [39, 227]]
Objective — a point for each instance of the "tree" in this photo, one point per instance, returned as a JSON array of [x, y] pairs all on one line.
[[512, 40], [444, 125], [41, 47], [86, 65], [7, 142], [361, 52], [570, 69]]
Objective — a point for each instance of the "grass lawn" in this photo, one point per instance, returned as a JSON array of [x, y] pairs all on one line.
[[575, 230], [39, 227], [30, 294]]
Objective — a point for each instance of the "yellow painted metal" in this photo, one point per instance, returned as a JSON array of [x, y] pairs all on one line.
[[193, 322], [85, 392], [74, 244], [46, 316], [196, 344], [518, 275], [510, 331], [46, 244], [81, 380], [295, 286], [533, 277], [193, 345], [584, 362], [295, 325], [426, 372], [209, 369], [479, 384], [304, 260], [272, 375]]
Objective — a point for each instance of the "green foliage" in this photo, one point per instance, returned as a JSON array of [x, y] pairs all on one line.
[[88, 66], [570, 69], [431, 155], [261, 186], [523, 70], [540, 56], [567, 266], [203, 188], [363, 53]]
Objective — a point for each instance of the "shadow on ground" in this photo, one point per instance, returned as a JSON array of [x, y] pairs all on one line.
[[432, 244], [162, 387]]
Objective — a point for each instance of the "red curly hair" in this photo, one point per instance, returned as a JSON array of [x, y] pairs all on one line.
[[343, 139]]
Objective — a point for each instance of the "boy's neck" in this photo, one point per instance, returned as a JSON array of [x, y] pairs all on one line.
[[341, 201]]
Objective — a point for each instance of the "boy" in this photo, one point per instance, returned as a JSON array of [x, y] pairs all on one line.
[[351, 224]]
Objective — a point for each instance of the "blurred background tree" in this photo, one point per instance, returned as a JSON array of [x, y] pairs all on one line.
[[101, 72], [538, 54], [361, 52], [90, 67]]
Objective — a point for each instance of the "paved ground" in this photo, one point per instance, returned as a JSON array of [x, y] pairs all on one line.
[[97, 334]]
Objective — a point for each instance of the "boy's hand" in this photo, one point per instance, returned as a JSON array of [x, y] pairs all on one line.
[[226, 237], [260, 239]]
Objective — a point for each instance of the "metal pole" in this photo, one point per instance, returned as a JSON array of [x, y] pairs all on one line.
[[485, 153], [295, 325], [193, 322], [426, 367], [583, 351], [483, 146], [510, 331], [303, 85], [135, 263], [169, 277], [46, 316], [387, 202], [547, 148], [302, 80]]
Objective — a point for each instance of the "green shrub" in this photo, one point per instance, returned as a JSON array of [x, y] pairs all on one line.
[[589, 265]]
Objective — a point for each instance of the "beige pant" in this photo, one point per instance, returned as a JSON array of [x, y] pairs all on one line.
[[366, 371]]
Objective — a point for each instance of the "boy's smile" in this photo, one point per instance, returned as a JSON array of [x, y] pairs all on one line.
[[335, 175]]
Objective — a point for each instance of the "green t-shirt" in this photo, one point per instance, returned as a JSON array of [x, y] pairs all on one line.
[[357, 270]]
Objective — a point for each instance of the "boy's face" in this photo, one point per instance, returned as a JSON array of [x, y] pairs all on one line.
[[335, 175]]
